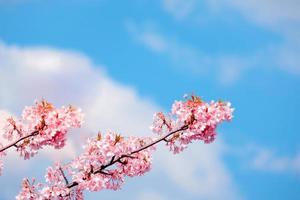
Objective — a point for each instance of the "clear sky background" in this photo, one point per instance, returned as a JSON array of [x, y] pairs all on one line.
[[123, 60]]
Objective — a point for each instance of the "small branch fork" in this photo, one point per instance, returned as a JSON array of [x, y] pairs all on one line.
[[63, 174], [119, 160], [14, 144]]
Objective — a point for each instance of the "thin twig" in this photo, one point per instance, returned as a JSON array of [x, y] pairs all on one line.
[[63, 174], [105, 173], [34, 133]]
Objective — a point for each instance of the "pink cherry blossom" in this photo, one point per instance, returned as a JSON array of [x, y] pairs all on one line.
[[28, 191], [86, 169], [108, 159], [100, 151], [41, 125], [200, 118]]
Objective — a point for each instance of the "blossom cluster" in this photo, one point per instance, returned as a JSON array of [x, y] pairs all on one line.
[[105, 162], [93, 170], [107, 159], [41, 125], [197, 118]]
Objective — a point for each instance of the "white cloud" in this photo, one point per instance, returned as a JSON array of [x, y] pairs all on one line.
[[67, 77], [287, 56], [154, 42], [264, 159], [267, 12], [230, 69], [272, 13], [275, 15], [150, 195], [226, 69], [282, 17], [180, 9], [199, 170]]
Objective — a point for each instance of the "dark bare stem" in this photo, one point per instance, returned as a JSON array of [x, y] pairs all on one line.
[[129, 156], [166, 140], [119, 160], [34, 133], [112, 159], [63, 174], [105, 173]]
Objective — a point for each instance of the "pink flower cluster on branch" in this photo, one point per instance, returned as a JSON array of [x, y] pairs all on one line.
[[105, 162], [41, 125], [201, 118], [107, 159]]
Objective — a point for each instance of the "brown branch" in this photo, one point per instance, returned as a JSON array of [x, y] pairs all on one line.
[[105, 173], [34, 133], [166, 140], [63, 174], [113, 160]]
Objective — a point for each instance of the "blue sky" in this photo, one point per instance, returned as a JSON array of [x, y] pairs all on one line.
[[149, 53]]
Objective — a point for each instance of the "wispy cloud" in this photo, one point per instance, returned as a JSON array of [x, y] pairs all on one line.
[[267, 160], [180, 9], [282, 17], [226, 69], [277, 16], [273, 13], [150, 195]]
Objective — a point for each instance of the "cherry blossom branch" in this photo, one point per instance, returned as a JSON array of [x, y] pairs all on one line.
[[163, 138], [34, 133], [51, 126], [113, 160], [107, 160]]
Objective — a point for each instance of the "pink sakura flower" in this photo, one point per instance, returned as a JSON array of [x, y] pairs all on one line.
[[102, 150], [44, 125], [162, 123], [201, 120], [86, 171], [28, 191], [107, 159]]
